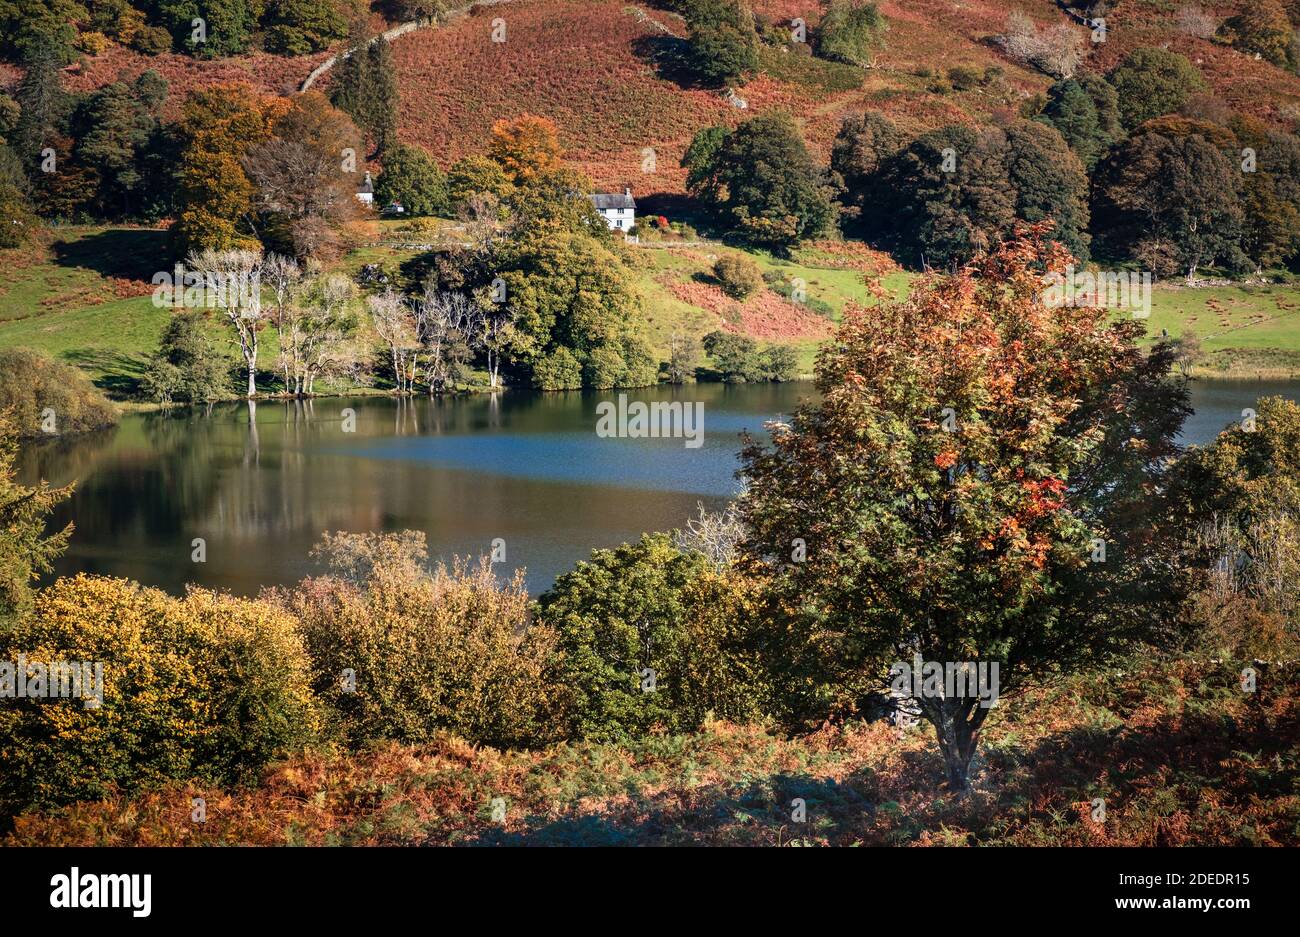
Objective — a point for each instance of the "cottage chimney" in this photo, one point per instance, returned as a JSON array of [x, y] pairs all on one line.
[[627, 190]]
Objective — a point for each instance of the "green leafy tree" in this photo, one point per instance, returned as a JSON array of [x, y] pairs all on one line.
[[944, 198], [957, 191], [944, 496], [26, 550], [649, 616], [722, 47], [188, 365], [300, 27], [566, 289], [764, 182], [1050, 183], [412, 179], [736, 357], [1238, 502], [28, 25], [365, 86], [1270, 194], [851, 31], [477, 176], [1172, 184], [863, 143], [41, 100], [227, 25], [1151, 82]]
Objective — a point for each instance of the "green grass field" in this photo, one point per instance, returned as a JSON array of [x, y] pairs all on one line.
[[85, 299]]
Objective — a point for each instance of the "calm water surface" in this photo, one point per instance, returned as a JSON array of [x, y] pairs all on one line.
[[526, 468]]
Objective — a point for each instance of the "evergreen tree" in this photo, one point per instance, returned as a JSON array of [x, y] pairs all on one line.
[[41, 99], [365, 86]]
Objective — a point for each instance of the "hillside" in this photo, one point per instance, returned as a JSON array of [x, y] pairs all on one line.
[[591, 66]]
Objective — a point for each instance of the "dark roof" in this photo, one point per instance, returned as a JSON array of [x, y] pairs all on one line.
[[605, 200]]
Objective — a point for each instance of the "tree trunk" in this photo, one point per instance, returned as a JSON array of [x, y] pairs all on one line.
[[957, 725]]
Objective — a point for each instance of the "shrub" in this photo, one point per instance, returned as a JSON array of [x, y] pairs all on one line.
[[964, 78], [32, 383], [152, 40], [738, 275], [429, 651], [650, 607], [17, 221], [1262, 29], [559, 370], [208, 687], [851, 31]]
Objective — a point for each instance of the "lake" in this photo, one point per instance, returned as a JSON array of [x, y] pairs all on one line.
[[528, 469]]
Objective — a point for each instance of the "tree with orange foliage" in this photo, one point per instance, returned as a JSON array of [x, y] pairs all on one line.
[[976, 484], [219, 126], [525, 147]]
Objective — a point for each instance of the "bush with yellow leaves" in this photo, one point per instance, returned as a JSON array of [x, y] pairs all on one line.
[[401, 652], [207, 687]]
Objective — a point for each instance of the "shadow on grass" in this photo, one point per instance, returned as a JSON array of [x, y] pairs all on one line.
[[1192, 777], [129, 253], [120, 374], [669, 56]]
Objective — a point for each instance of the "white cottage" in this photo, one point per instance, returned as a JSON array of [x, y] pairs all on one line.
[[619, 211], [366, 191]]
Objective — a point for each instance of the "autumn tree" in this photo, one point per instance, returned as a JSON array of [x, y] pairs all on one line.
[[525, 147], [305, 176], [218, 126], [947, 495]]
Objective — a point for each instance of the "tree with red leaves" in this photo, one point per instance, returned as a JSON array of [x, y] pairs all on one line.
[[977, 483]]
